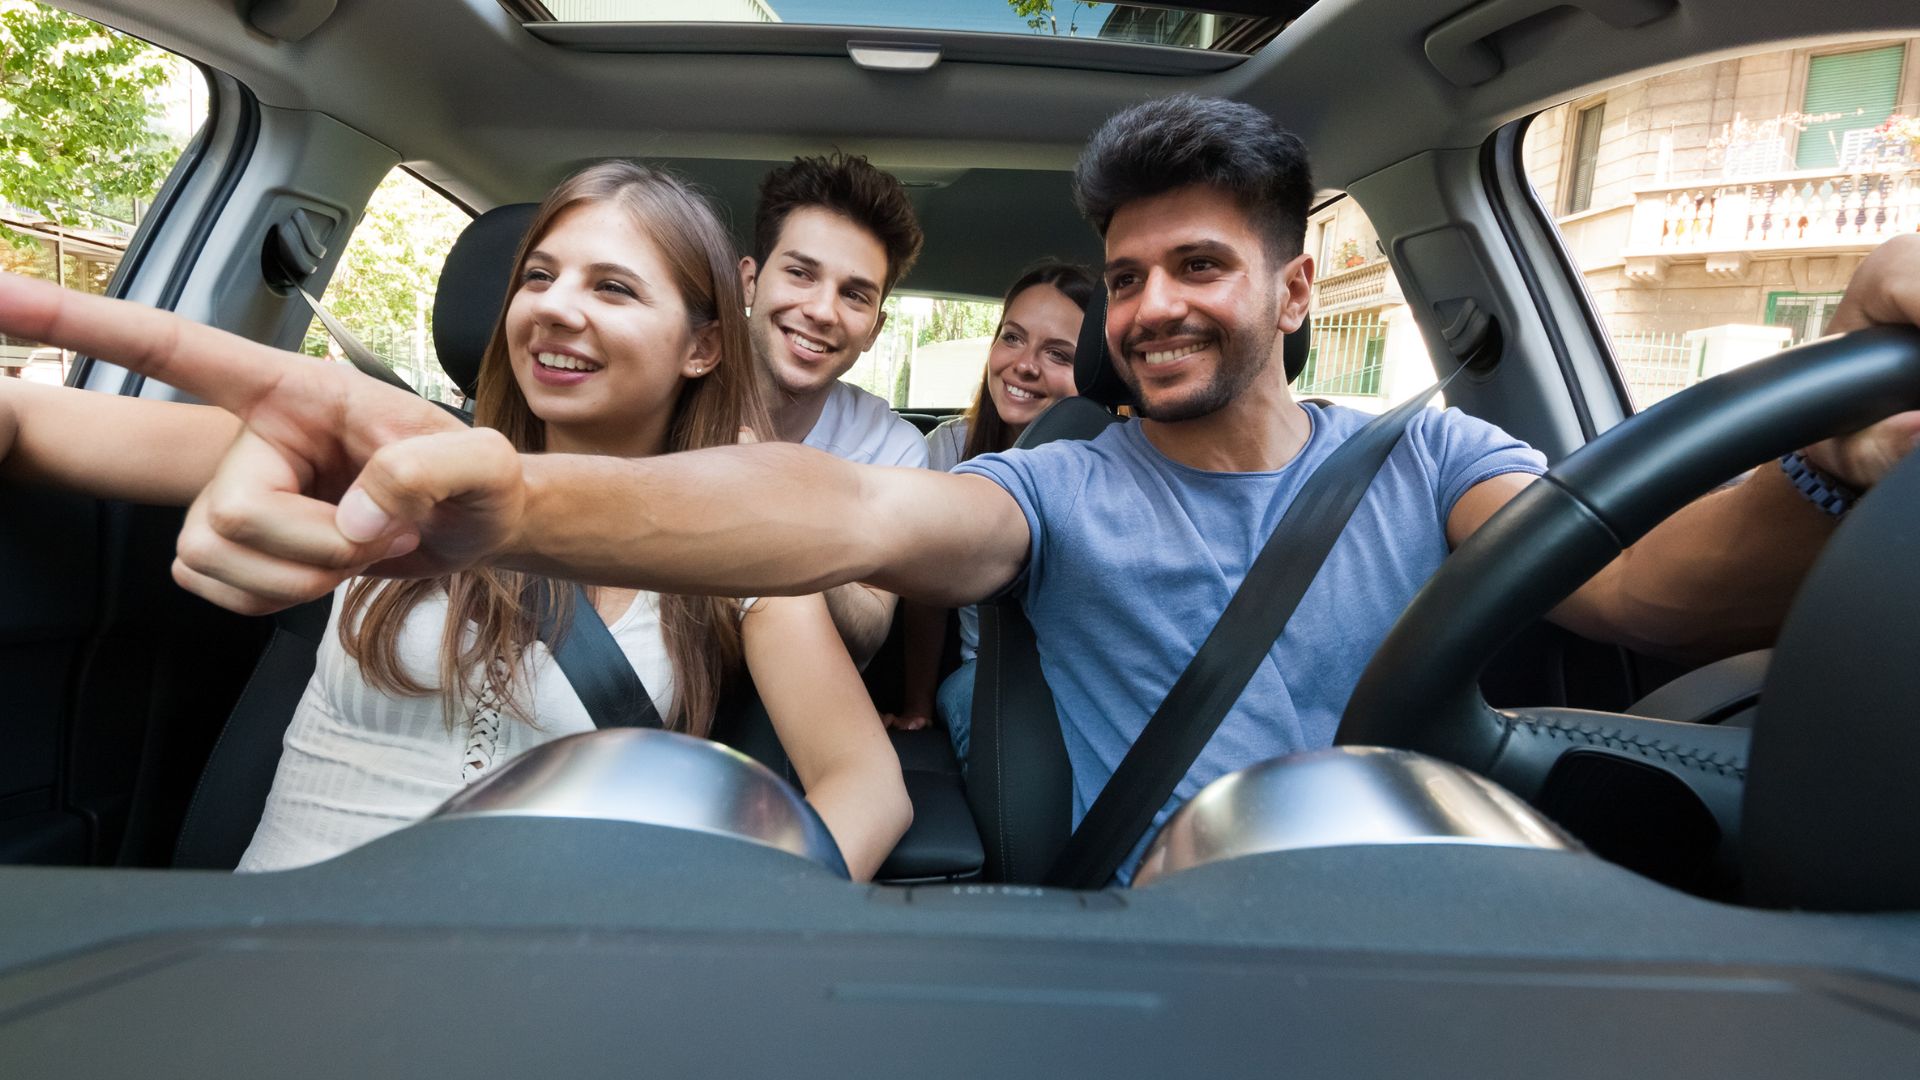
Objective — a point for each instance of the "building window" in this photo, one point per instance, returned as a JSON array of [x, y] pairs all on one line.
[[1856, 91], [1806, 314], [1586, 156]]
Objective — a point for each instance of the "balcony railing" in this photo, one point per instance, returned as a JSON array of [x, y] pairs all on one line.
[[1348, 289], [1786, 211]]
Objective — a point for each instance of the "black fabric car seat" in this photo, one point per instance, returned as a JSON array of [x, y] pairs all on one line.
[[238, 775], [1019, 782]]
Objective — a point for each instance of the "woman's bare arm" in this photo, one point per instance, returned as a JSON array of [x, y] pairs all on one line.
[[828, 727], [109, 446]]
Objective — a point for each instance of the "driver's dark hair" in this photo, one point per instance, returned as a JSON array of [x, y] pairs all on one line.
[[1172, 142], [850, 186]]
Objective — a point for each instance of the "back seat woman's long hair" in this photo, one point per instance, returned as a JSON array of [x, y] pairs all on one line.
[[489, 616]]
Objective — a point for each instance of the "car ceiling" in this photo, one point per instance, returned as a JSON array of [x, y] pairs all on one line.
[[480, 107]]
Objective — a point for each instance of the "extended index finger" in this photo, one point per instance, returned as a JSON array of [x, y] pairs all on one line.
[[224, 369]]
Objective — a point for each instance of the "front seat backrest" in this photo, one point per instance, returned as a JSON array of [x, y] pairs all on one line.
[[472, 294], [1019, 781]]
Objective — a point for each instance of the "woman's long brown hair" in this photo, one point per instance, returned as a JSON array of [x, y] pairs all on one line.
[[987, 432], [491, 618]]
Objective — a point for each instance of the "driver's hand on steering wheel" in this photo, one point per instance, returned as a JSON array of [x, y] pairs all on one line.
[[1885, 290]]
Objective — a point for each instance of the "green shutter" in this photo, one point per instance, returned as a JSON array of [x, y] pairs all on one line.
[[1862, 86], [1371, 362]]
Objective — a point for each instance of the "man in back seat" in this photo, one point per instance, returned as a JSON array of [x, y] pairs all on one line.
[[1123, 549], [832, 236]]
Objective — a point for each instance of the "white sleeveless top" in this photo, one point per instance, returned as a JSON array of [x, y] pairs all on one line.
[[358, 764]]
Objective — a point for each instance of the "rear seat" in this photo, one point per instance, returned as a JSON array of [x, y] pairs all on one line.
[[942, 845]]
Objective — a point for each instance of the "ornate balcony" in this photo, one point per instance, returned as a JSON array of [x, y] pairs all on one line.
[[1357, 288], [1799, 213]]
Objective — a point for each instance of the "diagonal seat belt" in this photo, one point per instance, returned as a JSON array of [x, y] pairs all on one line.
[[1219, 672], [599, 672], [358, 354]]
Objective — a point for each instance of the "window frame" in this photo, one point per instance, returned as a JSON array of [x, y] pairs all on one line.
[[1576, 113]]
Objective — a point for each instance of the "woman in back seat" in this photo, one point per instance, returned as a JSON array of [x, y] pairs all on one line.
[[1029, 367], [624, 334]]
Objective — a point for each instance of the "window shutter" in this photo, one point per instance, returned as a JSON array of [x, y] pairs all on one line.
[[1862, 87], [1586, 157]]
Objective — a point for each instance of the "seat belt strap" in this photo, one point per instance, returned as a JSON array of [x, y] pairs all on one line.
[[365, 359], [593, 663], [1226, 661]]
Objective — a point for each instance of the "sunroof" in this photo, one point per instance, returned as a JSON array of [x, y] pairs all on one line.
[[1217, 27]]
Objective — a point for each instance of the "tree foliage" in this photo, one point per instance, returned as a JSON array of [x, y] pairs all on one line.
[[1039, 15], [952, 320], [77, 112]]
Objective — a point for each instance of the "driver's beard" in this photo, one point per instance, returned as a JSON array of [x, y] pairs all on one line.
[[1242, 358]]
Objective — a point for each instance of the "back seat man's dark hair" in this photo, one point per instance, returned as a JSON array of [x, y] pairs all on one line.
[[849, 186], [1173, 142]]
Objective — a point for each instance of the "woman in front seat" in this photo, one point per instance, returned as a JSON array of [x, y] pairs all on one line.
[[1029, 367], [623, 335]]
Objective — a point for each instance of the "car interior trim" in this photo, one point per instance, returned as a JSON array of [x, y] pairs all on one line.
[[1385, 796], [1547, 251], [1502, 148], [957, 46], [226, 142], [647, 776]]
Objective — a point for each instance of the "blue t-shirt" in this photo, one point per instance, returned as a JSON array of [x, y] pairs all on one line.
[[1134, 556]]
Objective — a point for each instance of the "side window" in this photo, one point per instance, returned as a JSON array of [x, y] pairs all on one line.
[[1717, 213], [383, 287], [91, 121], [1366, 352]]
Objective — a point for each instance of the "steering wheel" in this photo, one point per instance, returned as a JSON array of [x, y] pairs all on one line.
[[1421, 690]]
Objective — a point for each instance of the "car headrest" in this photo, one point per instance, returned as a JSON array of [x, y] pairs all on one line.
[[473, 289], [1098, 380]]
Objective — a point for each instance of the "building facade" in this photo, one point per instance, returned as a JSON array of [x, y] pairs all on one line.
[[1716, 213]]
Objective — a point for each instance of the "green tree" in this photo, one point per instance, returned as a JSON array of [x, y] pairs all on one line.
[[77, 115], [952, 320], [1039, 15], [902, 381]]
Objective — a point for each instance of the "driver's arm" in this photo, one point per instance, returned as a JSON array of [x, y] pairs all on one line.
[[1716, 578], [1712, 580], [765, 520]]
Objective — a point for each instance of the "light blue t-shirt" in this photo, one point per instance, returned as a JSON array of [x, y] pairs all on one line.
[[1134, 556]]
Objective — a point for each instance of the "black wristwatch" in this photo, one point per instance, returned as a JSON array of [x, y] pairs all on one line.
[[1820, 489]]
